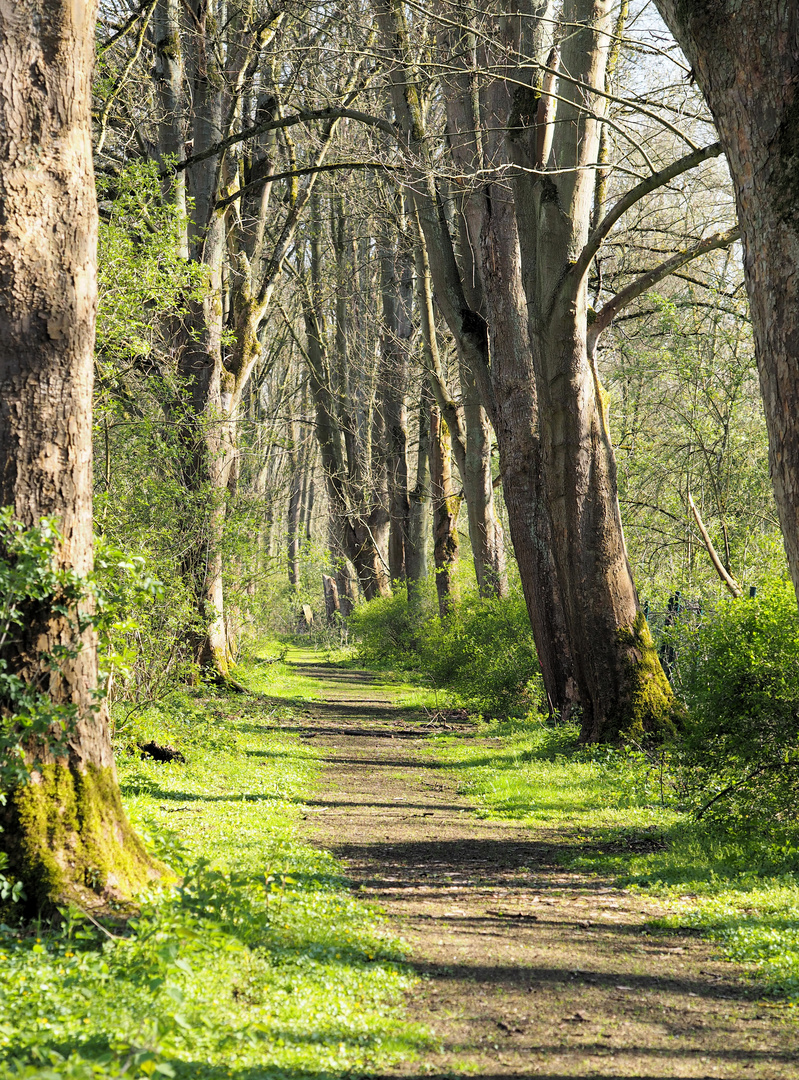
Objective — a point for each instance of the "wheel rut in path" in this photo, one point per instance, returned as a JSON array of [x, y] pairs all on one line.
[[528, 969]]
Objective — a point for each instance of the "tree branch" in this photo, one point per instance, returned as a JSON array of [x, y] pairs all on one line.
[[145, 15], [606, 315], [308, 171], [721, 570], [304, 117], [121, 31], [634, 195]]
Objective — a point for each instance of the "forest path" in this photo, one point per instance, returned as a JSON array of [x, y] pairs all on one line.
[[528, 969]]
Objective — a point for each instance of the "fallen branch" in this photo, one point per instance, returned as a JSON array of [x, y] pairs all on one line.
[[721, 570]]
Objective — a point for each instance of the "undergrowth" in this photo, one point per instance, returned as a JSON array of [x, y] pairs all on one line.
[[482, 655], [260, 962]]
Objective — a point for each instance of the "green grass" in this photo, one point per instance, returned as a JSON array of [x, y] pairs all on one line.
[[613, 813], [261, 964]]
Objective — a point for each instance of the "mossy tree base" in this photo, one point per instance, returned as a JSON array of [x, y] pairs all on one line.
[[68, 840], [647, 710]]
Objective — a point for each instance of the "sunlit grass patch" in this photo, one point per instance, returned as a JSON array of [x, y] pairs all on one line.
[[613, 812], [755, 920], [260, 963]]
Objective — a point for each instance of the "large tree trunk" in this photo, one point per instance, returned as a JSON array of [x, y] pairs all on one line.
[[516, 423], [477, 126], [746, 60], [65, 831], [622, 688]]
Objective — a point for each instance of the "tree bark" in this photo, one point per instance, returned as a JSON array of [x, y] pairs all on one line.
[[65, 831], [347, 595], [485, 531], [445, 512], [623, 690], [296, 483], [361, 529], [477, 121], [332, 605], [746, 61], [208, 438], [516, 423], [396, 286], [467, 325], [416, 549], [169, 75]]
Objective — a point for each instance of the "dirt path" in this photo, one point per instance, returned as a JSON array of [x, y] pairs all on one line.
[[529, 969]]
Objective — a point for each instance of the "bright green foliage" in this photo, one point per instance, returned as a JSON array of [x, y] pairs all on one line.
[[142, 503], [30, 578], [756, 922], [142, 279], [482, 654], [543, 775], [739, 676], [260, 963], [686, 416]]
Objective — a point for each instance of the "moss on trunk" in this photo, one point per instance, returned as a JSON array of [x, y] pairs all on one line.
[[648, 710], [68, 839]]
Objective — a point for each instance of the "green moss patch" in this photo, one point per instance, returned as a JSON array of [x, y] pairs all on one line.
[[72, 841], [652, 706]]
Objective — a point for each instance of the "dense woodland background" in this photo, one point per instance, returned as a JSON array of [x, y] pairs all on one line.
[[319, 423]]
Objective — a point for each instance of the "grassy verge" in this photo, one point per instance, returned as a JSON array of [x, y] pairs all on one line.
[[261, 963], [612, 813]]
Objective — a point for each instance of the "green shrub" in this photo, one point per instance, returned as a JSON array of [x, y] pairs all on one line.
[[483, 653], [389, 630], [739, 676]]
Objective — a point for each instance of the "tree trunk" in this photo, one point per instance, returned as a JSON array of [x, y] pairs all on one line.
[[208, 459], [485, 531], [746, 61], [65, 832], [509, 390], [467, 326], [416, 549], [295, 507], [332, 605], [208, 440], [396, 289], [623, 690], [445, 512], [169, 89], [346, 438], [516, 423], [347, 596]]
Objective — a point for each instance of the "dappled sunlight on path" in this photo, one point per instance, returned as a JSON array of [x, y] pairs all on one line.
[[527, 969]]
